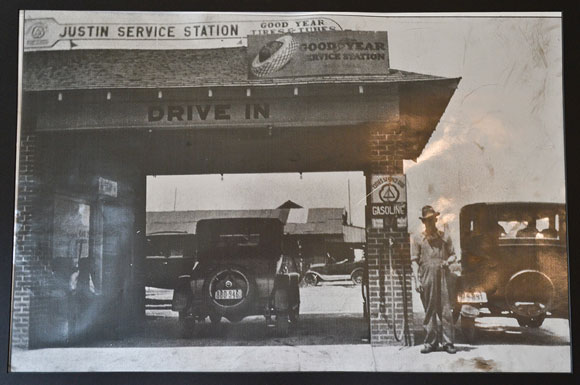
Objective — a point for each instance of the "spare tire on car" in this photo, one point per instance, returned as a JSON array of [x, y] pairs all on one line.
[[229, 290], [241, 271]]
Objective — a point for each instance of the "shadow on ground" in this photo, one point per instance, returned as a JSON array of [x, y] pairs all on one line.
[[505, 331]]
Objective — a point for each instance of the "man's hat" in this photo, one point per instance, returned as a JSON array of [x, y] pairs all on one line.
[[428, 212]]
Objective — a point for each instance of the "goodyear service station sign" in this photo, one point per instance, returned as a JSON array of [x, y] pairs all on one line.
[[318, 53], [389, 201]]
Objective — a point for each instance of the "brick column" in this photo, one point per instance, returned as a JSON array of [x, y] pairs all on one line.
[[27, 262], [386, 157]]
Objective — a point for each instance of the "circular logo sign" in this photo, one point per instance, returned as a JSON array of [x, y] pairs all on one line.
[[38, 31], [273, 56], [389, 193]]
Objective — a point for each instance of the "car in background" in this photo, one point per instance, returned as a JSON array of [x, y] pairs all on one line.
[[168, 255], [345, 269], [513, 263], [240, 271]]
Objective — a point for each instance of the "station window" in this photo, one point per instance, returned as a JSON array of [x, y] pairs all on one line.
[[70, 235]]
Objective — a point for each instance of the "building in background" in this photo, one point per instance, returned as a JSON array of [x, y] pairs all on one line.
[[312, 234]]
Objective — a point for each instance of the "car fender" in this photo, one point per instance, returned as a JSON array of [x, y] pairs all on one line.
[[286, 291], [182, 293], [316, 273], [329, 277], [357, 269]]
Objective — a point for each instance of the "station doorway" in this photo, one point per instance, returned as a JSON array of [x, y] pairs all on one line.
[[323, 220]]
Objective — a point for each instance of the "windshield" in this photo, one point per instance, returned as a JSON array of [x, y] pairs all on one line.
[[534, 228], [170, 246], [239, 236], [237, 240], [515, 222]]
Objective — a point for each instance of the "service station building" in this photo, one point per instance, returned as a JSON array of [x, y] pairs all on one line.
[[96, 123]]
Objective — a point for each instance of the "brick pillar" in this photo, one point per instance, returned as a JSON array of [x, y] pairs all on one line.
[[27, 262], [386, 157]]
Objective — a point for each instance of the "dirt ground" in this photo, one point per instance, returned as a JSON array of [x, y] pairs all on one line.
[[331, 336], [330, 314]]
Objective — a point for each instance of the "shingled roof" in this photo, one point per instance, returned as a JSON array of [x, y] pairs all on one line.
[[314, 221], [113, 69]]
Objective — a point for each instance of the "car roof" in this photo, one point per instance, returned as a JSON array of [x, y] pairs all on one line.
[[514, 205]]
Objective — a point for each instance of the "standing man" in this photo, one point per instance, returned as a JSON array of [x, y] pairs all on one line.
[[431, 253]]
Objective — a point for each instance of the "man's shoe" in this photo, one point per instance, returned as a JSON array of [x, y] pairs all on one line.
[[428, 349], [449, 348]]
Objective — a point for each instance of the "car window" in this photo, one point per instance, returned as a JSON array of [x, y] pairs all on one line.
[[170, 246], [537, 228], [238, 240], [156, 247]]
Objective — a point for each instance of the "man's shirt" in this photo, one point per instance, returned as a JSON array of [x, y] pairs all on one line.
[[431, 249]]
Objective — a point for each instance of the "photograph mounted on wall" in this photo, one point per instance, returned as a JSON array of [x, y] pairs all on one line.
[[266, 192]]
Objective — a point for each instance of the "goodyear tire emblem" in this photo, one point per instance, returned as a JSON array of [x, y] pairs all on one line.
[[274, 56]]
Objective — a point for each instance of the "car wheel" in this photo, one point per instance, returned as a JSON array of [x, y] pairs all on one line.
[[215, 318], [311, 279], [357, 277], [186, 325], [235, 318], [468, 329], [282, 325], [531, 322]]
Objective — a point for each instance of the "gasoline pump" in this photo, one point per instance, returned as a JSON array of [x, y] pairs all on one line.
[[403, 334]]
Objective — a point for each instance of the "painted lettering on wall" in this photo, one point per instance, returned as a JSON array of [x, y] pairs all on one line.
[[205, 112]]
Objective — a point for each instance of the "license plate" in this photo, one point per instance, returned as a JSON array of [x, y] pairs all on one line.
[[228, 294], [476, 297]]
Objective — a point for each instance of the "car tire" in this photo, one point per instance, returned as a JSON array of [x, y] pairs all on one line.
[[235, 318], [531, 322], [238, 310], [282, 325], [186, 325], [311, 279], [215, 318], [357, 277], [468, 329]]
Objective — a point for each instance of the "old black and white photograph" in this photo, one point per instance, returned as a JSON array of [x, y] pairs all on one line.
[[290, 192]]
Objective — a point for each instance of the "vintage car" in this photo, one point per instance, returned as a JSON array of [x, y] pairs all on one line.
[[513, 263], [168, 255], [240, 271], [346, 269]]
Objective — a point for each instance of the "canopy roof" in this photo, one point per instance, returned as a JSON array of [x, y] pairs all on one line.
[[112, 69], [422, 98]]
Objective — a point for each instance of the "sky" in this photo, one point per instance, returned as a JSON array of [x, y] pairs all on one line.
[[500, 138]]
